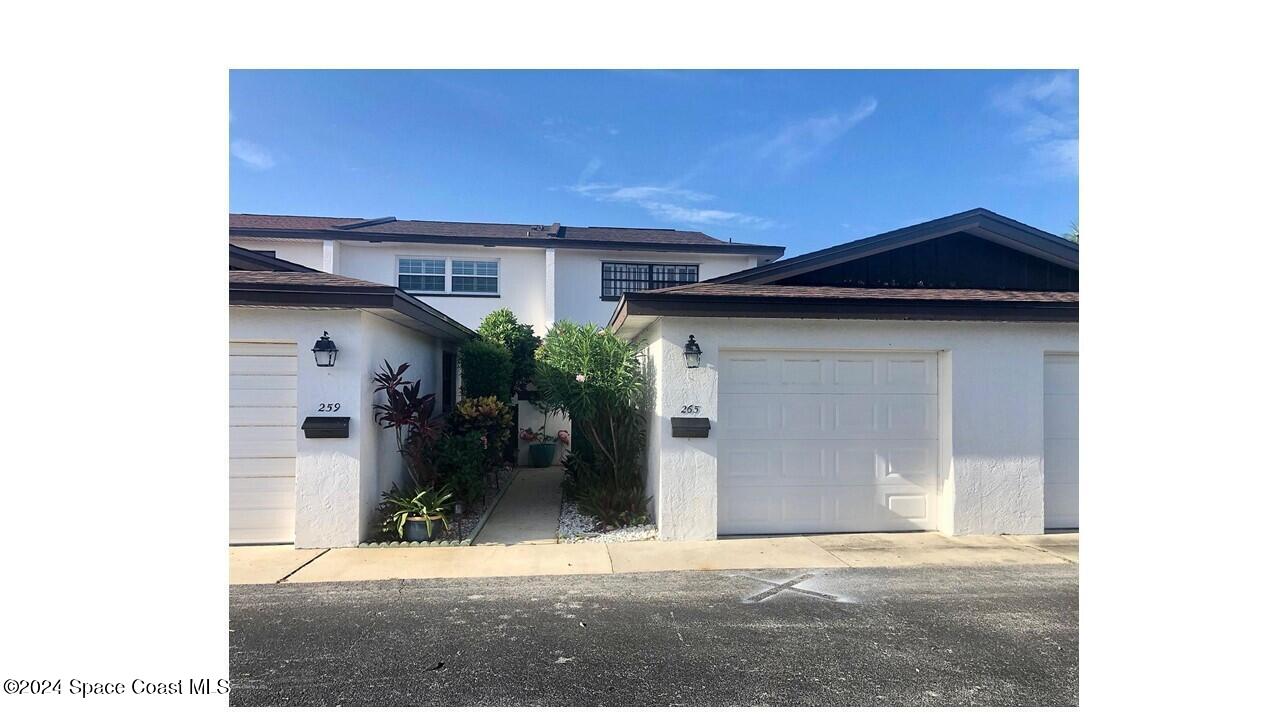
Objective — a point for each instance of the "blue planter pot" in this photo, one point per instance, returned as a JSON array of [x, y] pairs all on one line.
[[542, 454], [415, 530]]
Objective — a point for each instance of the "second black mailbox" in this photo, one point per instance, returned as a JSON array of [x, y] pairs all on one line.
[[690, 427]]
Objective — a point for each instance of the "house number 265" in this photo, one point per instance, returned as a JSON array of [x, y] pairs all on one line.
[[690, 409], [330, 407]]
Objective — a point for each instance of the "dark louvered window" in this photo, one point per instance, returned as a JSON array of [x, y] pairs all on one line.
[[617, 278]]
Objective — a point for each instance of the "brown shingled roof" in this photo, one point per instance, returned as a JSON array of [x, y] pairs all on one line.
[[858, 293], [503, 233], [246, 278]]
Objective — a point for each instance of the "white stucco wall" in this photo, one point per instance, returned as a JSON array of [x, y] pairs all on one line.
[[339, 479], [397, 344], [991, 428], [302, 252], [578, 276]]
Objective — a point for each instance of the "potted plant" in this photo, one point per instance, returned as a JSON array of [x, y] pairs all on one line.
[[542, 447], [415, 514]]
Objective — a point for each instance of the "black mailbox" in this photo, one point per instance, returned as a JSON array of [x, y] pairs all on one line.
[[690, 427], [326, 427]]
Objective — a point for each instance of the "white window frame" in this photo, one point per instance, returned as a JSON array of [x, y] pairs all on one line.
[[497, 278], [423, 257], [448, 275]]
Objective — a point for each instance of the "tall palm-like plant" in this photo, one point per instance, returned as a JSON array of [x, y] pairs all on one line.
[[407, 411], [597, 379]]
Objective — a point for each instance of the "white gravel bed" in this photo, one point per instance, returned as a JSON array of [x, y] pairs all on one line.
[[577, 528]]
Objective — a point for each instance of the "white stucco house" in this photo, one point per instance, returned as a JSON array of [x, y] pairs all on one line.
[[307, 462], [920, 379]]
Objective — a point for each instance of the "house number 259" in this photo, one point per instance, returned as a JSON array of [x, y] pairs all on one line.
[[690, 409], [330, 407]]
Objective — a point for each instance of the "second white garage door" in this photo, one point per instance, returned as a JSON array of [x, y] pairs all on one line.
[[827, 442], [264, 441]]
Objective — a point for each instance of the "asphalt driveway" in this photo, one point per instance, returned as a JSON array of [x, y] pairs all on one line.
[[985, 635]]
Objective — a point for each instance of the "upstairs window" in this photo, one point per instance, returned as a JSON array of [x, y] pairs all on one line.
[[617, 278], [447, 276], [475, 276], [422, 275]]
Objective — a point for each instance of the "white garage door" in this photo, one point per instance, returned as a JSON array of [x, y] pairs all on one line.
[[264, 441], [827, 442], [1061, 441]]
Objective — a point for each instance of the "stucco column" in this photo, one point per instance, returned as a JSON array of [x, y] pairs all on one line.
[[329, 262], [549, 291]]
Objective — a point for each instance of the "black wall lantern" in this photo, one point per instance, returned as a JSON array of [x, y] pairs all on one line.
[[326, 352], [692, 353]]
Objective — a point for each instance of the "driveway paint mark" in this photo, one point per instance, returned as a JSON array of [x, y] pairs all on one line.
[[291, 572], [789, 585]]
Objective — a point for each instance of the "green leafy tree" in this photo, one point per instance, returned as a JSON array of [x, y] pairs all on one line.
[[486, 370], [1074, 234], [598, 380], [504, 328]]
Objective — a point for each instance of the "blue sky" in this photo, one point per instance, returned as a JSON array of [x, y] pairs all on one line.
[[802, 159]]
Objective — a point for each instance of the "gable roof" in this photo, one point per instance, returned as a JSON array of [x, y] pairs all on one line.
[[979, 222], [316, 290], [390, 229]]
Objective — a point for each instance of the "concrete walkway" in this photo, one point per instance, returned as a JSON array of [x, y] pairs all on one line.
[[529, 512], [861, 550]]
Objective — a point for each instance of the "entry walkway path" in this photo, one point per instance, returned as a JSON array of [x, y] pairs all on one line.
[[529, 512], [284, 564]]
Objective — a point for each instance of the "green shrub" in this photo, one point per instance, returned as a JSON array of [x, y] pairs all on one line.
[[490, 419], [502, 327], [597, 379], [486, 369], [460, 462]]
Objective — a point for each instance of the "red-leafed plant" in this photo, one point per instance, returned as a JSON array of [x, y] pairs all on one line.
[[407, 411]]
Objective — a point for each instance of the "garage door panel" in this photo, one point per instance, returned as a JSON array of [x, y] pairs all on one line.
[[741, 373], [263, 382], [241, 434], [1062, 504], [855, 375], [268, 365], [800, 415], [256, 467], [1061, 441], [264, 449], [904, 508], [265, 500], [264, 416], [264, 397], [911, 375], [1062, 460], [911, 416], [827, 442], [1062, 375], [263, 442], [1061, 416], [740, 415]]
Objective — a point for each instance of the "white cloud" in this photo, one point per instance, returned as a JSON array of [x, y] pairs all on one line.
[[255, 156], [1048, 121], [801, 141], [673, 204]]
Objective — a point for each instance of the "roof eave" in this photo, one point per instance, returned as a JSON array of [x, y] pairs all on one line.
[[642, 307], [368, 298]]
